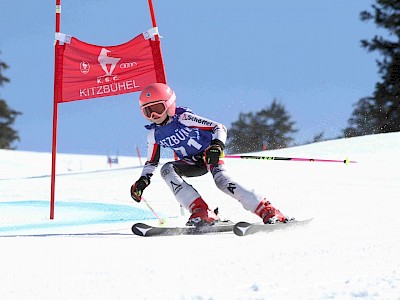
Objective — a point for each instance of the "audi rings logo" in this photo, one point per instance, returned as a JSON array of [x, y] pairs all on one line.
[[85, 67], [127, 65]]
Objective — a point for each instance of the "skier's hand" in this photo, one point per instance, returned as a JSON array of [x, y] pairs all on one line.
[[138, 187], [213, 153]]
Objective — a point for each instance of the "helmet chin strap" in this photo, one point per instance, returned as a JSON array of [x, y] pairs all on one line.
[[164, 122]]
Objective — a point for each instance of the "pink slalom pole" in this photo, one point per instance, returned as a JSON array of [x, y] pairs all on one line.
[[138, 154], [55, 116], [160, 220], [346, 161]]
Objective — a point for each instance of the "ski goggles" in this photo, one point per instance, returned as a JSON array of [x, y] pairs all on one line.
[[154, 110]]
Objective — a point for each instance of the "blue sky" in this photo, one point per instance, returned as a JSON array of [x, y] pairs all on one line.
[[221, 58]]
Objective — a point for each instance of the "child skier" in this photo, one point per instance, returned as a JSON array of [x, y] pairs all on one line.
[[199, 143]]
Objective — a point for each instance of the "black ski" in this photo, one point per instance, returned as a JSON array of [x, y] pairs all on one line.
[[245, 228], [142, 229]]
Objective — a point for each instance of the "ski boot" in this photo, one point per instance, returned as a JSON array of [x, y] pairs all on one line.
[[269, 214], [201, 214]]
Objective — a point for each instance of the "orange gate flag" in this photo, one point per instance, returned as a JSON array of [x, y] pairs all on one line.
[[85, 71]]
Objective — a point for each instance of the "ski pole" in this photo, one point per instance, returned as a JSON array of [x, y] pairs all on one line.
[[346, 161], [160, 220]]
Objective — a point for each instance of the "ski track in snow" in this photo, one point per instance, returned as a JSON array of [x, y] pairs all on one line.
[[349, 251]]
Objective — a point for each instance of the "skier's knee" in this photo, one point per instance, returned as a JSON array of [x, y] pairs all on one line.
[[221, 181], [167, 169]]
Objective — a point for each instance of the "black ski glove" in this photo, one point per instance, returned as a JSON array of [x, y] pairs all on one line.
[[138, 187], [213, 153]]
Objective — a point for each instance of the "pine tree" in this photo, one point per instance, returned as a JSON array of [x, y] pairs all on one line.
[[269, 128], [7, 117], [381, 112]]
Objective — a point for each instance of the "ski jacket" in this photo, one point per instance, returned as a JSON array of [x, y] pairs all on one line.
[[186, 133]]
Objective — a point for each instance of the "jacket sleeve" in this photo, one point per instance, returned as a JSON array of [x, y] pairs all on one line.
[[153, 155], [191, 120]]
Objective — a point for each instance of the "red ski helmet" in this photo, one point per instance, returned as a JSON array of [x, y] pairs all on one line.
[[156, 101]]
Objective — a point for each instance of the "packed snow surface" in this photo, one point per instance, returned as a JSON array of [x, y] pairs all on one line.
[[350, 250]]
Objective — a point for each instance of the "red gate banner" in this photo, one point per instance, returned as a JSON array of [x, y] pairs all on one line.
[[85, 71]]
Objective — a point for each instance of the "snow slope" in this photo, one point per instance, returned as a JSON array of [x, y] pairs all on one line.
[[350, 250]]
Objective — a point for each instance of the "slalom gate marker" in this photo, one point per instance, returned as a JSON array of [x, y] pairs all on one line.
[[72, 83], [345, 161]]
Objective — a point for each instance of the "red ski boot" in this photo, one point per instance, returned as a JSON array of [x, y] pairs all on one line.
[[270, 214], [201, 214]]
